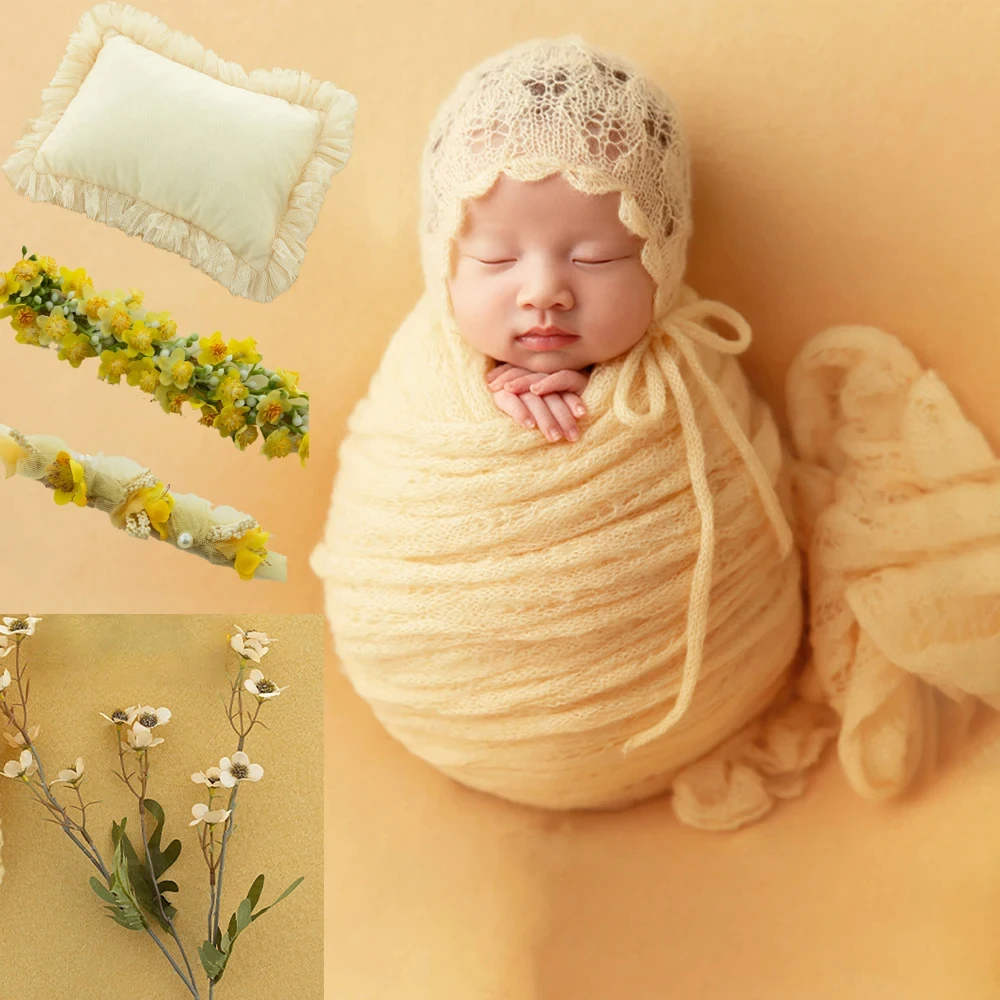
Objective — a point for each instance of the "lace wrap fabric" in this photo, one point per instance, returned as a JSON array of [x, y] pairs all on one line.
[[535, 620], [898, 503], [110, 480]]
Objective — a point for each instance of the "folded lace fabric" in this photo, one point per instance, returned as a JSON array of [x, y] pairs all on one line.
[[140, 505]]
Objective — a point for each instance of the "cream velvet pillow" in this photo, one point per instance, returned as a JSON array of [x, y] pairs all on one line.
[[146, 130]]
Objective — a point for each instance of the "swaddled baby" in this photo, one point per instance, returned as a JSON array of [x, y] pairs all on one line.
[[588, 625]]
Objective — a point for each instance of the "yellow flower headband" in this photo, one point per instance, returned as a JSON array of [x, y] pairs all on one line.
[[139, 504], [52, 306]]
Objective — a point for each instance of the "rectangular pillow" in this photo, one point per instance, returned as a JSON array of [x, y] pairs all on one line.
[[146, 130]]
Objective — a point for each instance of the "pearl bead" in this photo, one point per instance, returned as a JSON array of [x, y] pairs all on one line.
[[184, 540]]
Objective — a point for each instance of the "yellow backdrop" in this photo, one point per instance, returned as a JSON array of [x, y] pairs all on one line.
[[845, 171], [56, 939]]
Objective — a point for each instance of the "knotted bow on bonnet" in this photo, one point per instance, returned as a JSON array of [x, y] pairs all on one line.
[[562, 106]]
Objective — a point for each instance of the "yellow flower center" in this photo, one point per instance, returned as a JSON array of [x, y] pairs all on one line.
[[270, 413], [58, 327], [177, 402], [120, 320], [182, 371], [26, 270], [207, 417], [78, 351], [232, 389], [60, 475], [142, 339], [94, 305], [149, 381], [218, 352], [118, 367], [281, 447], [26, 316], [232, 421]]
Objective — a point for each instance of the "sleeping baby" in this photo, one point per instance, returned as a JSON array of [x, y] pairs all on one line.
[[545, 277]]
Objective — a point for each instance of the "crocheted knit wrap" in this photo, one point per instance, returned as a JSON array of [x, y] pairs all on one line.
[[565, 626]]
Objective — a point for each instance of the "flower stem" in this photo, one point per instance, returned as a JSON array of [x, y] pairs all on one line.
[[144, 774]]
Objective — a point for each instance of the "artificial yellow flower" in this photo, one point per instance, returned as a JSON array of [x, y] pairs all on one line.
[[10, 454], [167, 327], [244, 351], [76, 348], [175, 369], [304, 448], [247, 552], [278, 444], [230, 389], [154, 500], [139, 339], [272, 408], [114, 364], [65, 476], [93, 304], [74, 281], [229, 421], [144, 374], [115, 320], [49, 266], [246, 437], [208, 415], [25, 322], [213, 350], [171, 399], [28, 273], [135, 297], [9, 285], [289, 379], [54, 327]]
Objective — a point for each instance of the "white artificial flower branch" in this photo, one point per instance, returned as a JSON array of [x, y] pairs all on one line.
[[132, 887]]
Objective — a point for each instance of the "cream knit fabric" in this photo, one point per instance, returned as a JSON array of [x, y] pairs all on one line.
[[585, 625]]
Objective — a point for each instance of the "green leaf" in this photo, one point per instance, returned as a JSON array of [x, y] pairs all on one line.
[[143, 885], [212, 960], [287, 892], [125, 910], [255, 890], [243, 915], [162, 859], [102, 890]]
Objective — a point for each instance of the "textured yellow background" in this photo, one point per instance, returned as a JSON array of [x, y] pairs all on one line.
[[57, 941], [845, 171]]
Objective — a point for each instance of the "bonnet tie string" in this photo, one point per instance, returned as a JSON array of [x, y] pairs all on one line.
[[683, 328]]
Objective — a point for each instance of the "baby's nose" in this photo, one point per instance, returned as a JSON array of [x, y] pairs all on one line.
[[545, 286]]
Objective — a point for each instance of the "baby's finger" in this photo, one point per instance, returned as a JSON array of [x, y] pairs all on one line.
[[513, 407], [575, 403], [561, 412], [566, 380], [504, 380], [495, 373], [524, 381], [547, 423]]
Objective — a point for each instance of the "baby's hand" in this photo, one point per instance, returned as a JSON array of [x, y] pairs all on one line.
[[549, 400]]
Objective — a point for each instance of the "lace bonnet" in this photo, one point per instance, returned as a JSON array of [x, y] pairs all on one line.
[[560, 106]]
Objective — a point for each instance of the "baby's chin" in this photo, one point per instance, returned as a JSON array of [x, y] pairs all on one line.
[[547, 362]]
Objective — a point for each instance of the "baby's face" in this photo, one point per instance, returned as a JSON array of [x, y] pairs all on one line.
[[541, 256]]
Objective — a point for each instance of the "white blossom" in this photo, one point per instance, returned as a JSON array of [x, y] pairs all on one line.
[[6, 646], [252, 645], [212, 777], [202, 814], [71, 775], [239, 769], [121, 716], [147, 717], [260, 687], [19, 626], [5, 680], [17, 740], [24, 766], [140, 738]]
